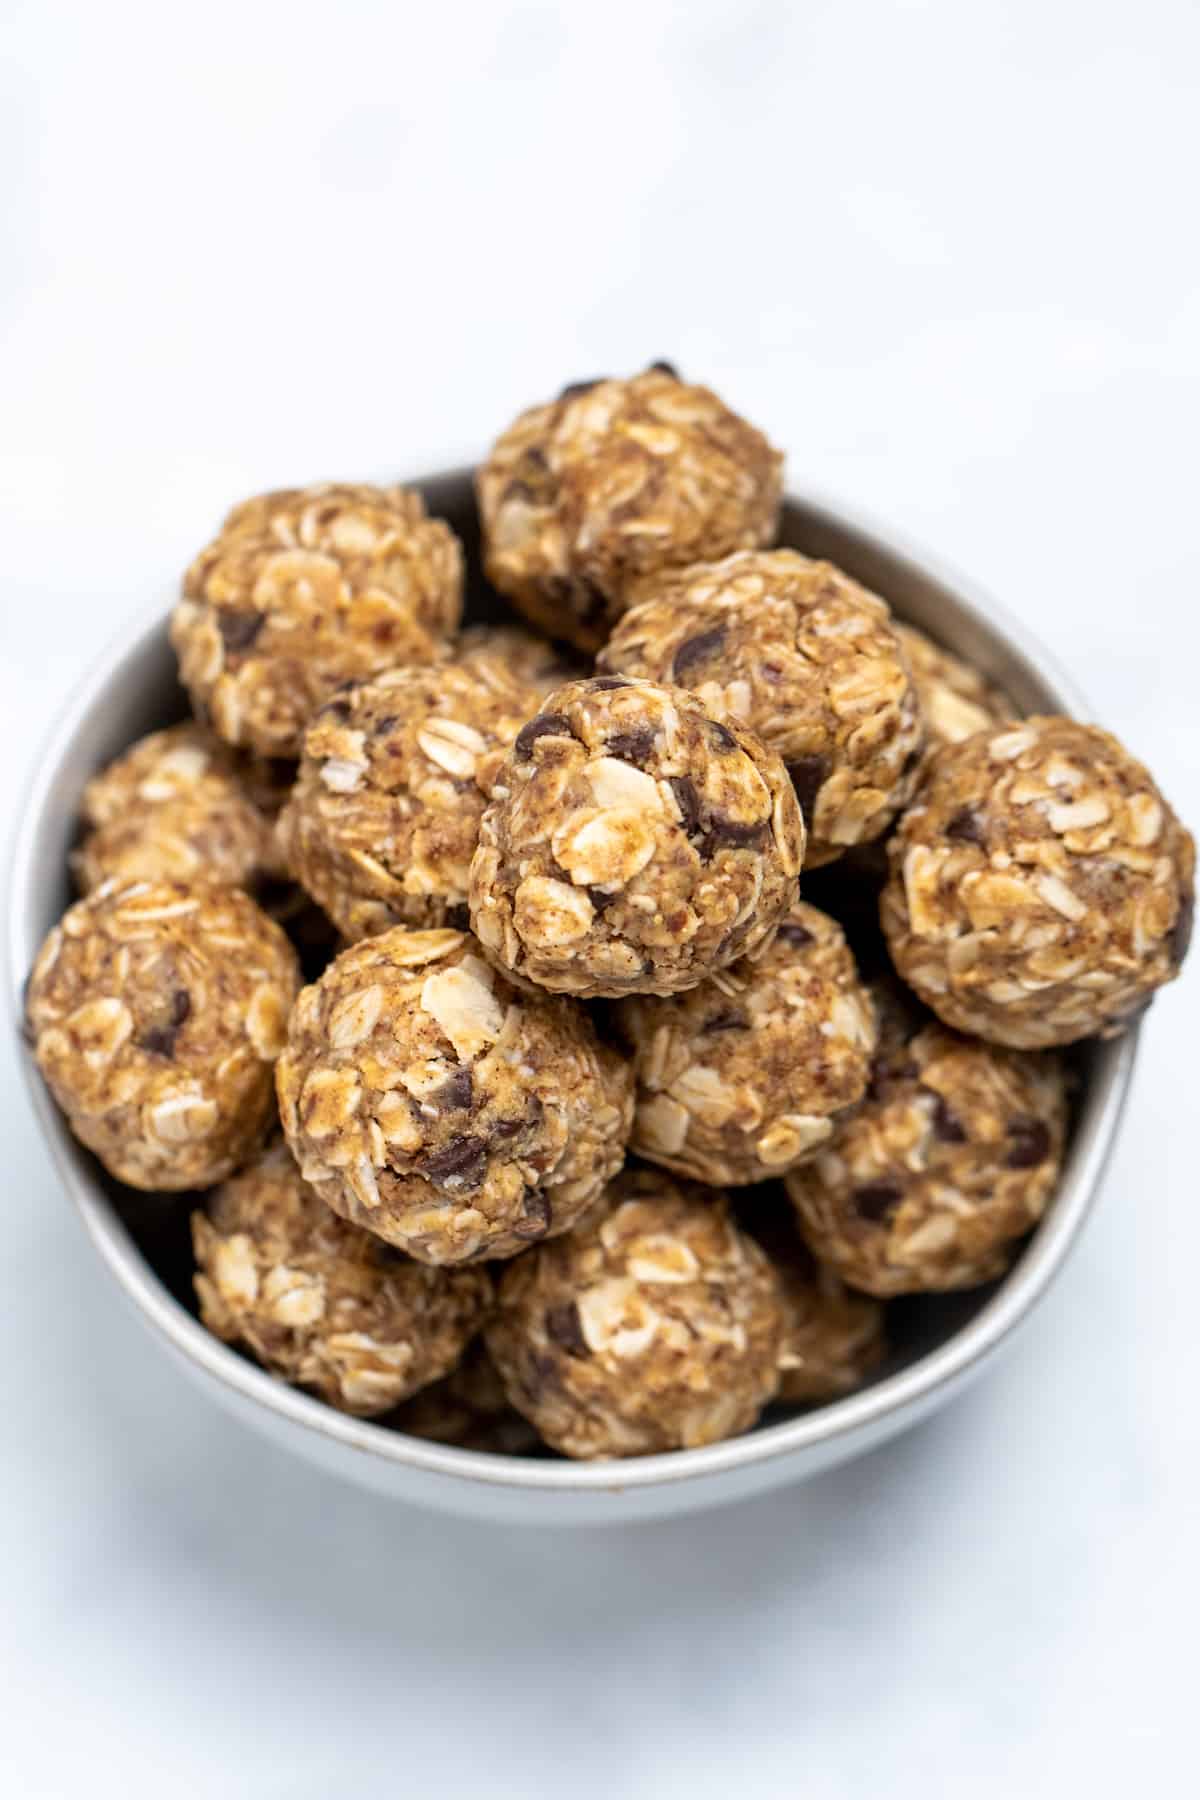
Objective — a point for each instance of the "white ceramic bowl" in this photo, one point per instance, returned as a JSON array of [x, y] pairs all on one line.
[[943, 1342]]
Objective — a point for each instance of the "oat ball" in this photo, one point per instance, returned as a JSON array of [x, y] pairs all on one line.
[[323, 1303], [745, 1075], [469, 1409], [612, 480], [655, 1325], [428, 1100], [533, 661], [955, 699], [171, 809], [304, 589], [953, 1154], [634, 845], [384, 818], [1041, 888], [156, 1013], [804, 657]]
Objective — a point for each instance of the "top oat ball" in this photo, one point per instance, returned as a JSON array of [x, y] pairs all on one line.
[[633, 844], [805, 657], [307, 588], [615, 479], [1041, 888]]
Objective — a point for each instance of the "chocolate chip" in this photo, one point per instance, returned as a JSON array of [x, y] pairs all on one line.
[[968, 827], [456, 1094], [607, 684], [876, 1200], [730, 1020], [544, 725], [633, 746], [462, 1164], [159, 1040], [510, 1128], [721, 740], [535, 1222], [239, 629], [1029, 1144], [734, 833], [541, 1373], [688, 801], [795, 934], [809, 775], [1181, 931], [665, 368], [582, 387], [697, 649], [946, 1125], [563, 1327]]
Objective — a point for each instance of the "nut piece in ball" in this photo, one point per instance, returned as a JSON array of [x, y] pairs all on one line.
[[1041, 888], [156, 1013], [634, 845], [172, 808], [806, 659], [321, 1302], [655, 1325], [612, 480], [428, 1100], [952, 1156], [307, 588], [955, 699], [744, 1076], [384, 817]]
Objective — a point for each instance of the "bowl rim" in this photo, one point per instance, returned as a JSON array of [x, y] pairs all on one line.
[[892, 1401]]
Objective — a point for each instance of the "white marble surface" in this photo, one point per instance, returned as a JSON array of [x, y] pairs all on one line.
[[947, 255]]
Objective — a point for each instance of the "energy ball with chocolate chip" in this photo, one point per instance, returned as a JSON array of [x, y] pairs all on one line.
[[804, 657], [612, 480], [323, 1303], [955, 699], [533, 661], [428, 1100], [634, 845], [952, 1156], [655, 1325], [171, 809], [303, 590], [469, 1409], [1041, 888], [745, 1075], [157, 1012], [384, 818]]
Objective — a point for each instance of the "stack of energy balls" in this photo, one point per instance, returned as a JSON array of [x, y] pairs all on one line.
[[497, 1176]]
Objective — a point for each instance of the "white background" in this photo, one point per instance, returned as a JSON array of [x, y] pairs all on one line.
[[947, 255]]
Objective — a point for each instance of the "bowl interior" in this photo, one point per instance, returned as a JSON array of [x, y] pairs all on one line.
[[138, 692]]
